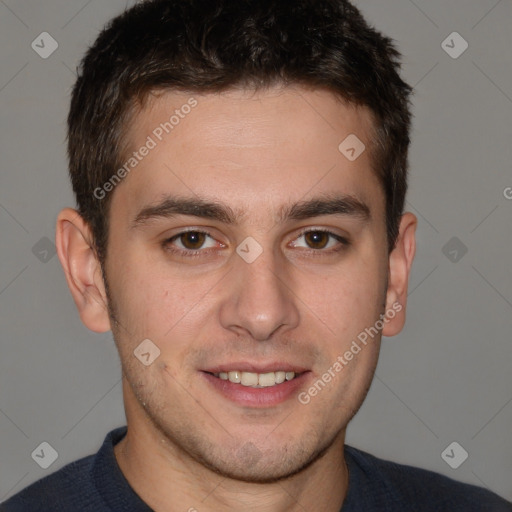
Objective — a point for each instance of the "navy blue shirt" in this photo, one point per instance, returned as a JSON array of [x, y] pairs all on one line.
[[96, 484]]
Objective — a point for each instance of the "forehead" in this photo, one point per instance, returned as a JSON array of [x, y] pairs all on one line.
[[240, 146]]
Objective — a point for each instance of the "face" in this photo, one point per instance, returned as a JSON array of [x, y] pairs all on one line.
[[245, 241]]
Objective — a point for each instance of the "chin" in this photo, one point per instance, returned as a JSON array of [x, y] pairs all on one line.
[[261, 473], [249, 464]]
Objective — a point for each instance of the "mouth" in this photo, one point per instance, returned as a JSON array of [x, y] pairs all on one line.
[[257, 386], [256, 380]]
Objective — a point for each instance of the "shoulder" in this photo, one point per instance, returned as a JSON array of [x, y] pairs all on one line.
[[417, 489], [82, 485], [69, 485]]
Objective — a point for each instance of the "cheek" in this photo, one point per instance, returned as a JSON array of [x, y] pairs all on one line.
[[349, 300], [155, 303]]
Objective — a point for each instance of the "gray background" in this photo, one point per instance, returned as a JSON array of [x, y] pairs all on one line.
[[445, 378]]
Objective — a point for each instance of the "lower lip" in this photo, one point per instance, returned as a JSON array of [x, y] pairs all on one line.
[[257, 397]]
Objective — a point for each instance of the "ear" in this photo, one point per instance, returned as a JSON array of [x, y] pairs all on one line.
[[400, 262], [74, 243]]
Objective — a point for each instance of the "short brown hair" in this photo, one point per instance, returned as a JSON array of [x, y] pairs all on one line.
[[214, 45]]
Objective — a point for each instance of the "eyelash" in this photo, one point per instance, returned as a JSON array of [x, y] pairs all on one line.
[[186, 253], [166, 244], [344, 243]]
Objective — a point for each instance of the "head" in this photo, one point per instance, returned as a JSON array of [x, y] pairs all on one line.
[[228, 120]]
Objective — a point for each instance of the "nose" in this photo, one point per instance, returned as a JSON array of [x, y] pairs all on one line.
[[259, 298]]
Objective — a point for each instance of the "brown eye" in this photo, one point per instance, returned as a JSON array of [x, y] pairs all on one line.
[[192, 239], [191, 244], [317, 239]]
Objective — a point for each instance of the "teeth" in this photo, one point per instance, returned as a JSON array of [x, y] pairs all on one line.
[[267, 379], [280, 377], [235, 376], [249, 379], [256, 380]]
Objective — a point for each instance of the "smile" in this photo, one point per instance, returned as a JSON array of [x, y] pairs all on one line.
[[256, 380]]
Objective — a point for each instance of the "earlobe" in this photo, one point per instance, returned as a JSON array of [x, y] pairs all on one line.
[[400, 262], [82, 269]]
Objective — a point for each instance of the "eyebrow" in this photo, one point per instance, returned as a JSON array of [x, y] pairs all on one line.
[[172, 206]]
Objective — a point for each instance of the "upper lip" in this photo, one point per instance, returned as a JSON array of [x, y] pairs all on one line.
[[256, 367]]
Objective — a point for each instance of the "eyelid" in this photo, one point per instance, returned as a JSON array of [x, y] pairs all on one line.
[[168, 241], [199, 229], [343, 240]]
